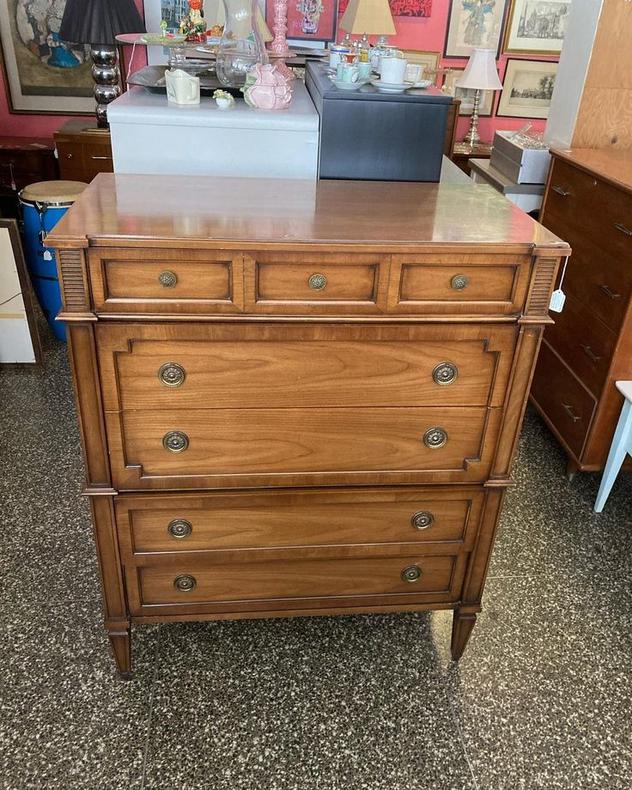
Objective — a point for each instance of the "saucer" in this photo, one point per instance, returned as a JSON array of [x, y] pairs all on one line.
[[391, 87], [420, 84], [348, 86]]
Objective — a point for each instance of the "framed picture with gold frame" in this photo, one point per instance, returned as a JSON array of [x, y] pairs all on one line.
[[429, 60], [466, 95], [536, 27]]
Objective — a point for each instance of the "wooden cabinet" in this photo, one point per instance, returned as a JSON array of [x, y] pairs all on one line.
[[588, 202], [83, 151], [23, 161], [290, 407]]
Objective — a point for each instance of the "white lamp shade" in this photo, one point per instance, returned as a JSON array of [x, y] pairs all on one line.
[[368, 16], [480, 72]]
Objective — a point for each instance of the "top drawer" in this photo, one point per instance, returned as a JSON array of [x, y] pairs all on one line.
[[470, 284], [163, 281]]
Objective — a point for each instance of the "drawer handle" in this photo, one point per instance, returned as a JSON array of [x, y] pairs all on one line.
[[317, 282], [435, 438], [171, 374], [102, 158], [459, 282], [590, 353], [167, 279], [422, 519], [175, 441], [69, 156], [180, 528], [569, 410], [560, 191], [620, 226], [445, 373], [609, 293], [185, 583], [411, 574]]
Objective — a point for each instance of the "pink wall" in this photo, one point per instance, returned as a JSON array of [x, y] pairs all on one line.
[[425, 34]]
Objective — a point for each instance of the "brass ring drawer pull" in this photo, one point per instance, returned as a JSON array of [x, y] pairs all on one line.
[[435, 438], [445, 373], [459, 282], [167, 279], [411, 574], [569, 410], [422, 519], [180, 528], [185, 583], [171, 374], [175, 441], [317, 282]]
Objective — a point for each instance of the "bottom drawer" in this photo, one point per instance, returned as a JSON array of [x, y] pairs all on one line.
[[563, 399], [295, 584]]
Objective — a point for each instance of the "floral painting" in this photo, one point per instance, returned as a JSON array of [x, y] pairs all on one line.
[[416, 8], [474, 23]]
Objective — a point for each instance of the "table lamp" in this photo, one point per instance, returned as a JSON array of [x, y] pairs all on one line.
[[368, 17], [480, 75], [97, 23]]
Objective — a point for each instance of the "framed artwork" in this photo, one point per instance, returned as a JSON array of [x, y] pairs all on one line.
[[413, 8], [527, 89], [536, 27], [474, 23], [308, 20], [43, 74], [466, 95], [430, 60]]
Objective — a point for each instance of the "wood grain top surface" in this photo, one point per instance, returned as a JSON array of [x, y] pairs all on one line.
[[135, 209], [613, 165]]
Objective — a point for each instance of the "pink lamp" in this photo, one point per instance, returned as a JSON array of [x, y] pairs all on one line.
[[278, 46]]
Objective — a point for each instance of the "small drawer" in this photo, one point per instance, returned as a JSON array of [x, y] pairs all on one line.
[[315, 283], [563, 399], [299, 583], [148, 281], [229, 448], [471, 284], [571, 193], [583, 342], [247, 521], [70, 155]]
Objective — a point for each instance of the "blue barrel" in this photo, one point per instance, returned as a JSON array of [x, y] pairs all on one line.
[[43, 205]]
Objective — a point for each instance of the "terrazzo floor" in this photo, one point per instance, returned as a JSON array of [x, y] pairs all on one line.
[[541, 699]]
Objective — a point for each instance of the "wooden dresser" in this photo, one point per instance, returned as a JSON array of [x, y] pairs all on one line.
[[588, 202], [83, 150], [23, 161], [298, 398]]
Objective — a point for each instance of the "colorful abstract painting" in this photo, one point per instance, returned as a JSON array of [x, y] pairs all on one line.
[[416, 8]]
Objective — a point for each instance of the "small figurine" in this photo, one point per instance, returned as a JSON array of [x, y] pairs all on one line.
[[192, 25], [224, 100], [267, 88], [163, 27]]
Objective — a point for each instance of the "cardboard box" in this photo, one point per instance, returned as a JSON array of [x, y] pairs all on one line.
[[521, 164]]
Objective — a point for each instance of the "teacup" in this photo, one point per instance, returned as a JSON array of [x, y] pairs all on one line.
[[364, 70], [393, 69], [349, 73], [414, 72]]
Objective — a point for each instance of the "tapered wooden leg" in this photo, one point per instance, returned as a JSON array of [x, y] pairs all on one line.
[[462, 625], [121, 642], [572, 468]]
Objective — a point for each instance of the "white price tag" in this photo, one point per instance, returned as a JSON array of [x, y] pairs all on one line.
[[47, 255], [558, 298]]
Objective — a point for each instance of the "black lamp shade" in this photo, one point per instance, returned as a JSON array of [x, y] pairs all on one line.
[[99, 21]]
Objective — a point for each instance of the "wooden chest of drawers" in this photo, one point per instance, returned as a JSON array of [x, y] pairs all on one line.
[[83, 150], [298, 399], [588, 202]]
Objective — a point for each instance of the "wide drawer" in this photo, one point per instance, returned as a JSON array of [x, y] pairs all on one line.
[[601, 281], [282, 282], [290, 583], [561, 397], [191, 366], [583, 342], [600, 210], [331, 446], [468, 284], [225, 523], [158, 281]]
